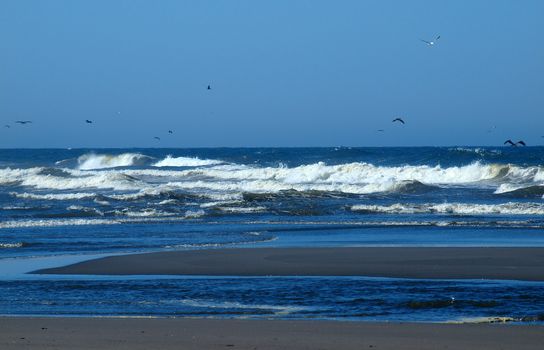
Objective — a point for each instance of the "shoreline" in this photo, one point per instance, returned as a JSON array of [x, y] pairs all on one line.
[[393, 262], [182, 333]]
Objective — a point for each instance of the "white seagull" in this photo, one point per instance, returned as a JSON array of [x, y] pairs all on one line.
[[432, 42]]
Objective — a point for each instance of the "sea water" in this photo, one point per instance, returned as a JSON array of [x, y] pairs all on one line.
[[80, 202]]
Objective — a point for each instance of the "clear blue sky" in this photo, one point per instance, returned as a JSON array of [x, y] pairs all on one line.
[[283, 73]]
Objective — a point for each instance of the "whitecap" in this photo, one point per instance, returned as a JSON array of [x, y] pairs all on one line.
[[170, 161]]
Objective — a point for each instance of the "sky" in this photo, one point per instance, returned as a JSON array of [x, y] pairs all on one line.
[[282, 73]]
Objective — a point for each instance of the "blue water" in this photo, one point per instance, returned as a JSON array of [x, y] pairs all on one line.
[[78, 202]]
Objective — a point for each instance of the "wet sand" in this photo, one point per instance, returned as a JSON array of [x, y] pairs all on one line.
[[130, 333], [432, 263]]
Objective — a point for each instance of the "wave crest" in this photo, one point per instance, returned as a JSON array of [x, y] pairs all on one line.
[[103, 161], [510, 208], [170, 161]]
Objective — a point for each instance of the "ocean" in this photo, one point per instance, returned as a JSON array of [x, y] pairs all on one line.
[[72, 204]]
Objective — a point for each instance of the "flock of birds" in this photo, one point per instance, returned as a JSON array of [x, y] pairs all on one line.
[[88, 121], [399, 120], [507, 142]]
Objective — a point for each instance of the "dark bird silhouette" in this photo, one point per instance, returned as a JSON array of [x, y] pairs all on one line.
[[209, 87], [511, 143], [23, 122], [431, 42], [170, 132], [88, 121], [381, 130], [157, 138], [7, 126], [398, 120]]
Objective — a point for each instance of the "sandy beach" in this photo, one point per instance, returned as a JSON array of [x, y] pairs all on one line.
[[433, 263], [133, 333]]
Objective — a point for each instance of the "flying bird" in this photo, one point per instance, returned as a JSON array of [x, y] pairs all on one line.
[[399, 120], [88, 121], [514, 144], [381, 130], [431, 42], [23, 122], [170, 132], [157, 138], [209, 87]]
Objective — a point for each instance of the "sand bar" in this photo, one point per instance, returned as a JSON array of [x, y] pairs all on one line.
[[129, 333], [433, 263]]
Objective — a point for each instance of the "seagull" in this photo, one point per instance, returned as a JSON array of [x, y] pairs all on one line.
[[398, 120], [514, 144], [23, 122], [209, 87], [88, 121], [170, 132], [157, 138], [432, 42]]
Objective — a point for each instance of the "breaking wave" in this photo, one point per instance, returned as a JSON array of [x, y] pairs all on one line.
[[514, 190], [102, 161], [349, 178], [170, 161], [509, 208]]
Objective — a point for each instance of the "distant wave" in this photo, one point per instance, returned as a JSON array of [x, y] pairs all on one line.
[[170, 161], [509, 208], [476, 150], [102, 161]]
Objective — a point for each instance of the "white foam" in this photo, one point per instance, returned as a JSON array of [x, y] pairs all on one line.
[[242, 210], [102, 180], [11, 245], [277, 309], [194, 214], [54, 223], [53, 196], [102, 161], [85, 209], [229, 181], [185, 162], [147, 212], [510, 208]]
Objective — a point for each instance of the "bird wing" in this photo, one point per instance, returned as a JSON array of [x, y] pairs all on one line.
[[425, 41], [438, 37], [522, 143], [508, 141]]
